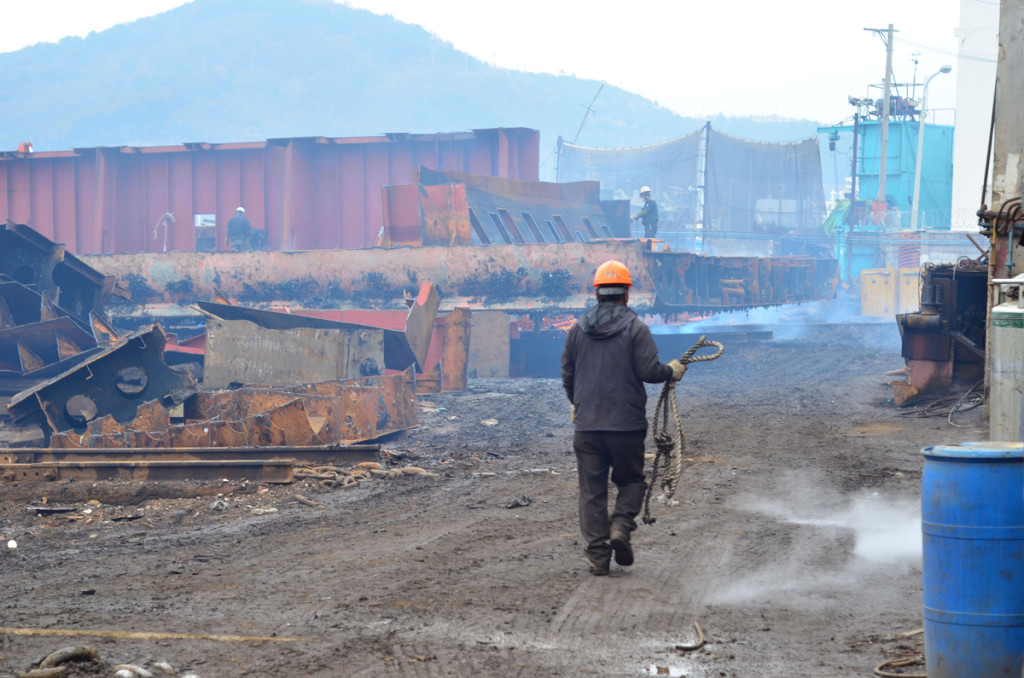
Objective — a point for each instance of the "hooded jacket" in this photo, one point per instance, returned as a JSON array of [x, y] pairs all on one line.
[[608, 356]]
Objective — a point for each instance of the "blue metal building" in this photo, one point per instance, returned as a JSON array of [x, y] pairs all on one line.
[[936, 201]]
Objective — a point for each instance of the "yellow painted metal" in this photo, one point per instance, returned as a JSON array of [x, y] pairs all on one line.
[[878, 292], [909, 294]]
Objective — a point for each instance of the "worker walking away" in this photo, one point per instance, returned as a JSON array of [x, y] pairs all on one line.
[[608, 356], [648, 214], [239, 232]]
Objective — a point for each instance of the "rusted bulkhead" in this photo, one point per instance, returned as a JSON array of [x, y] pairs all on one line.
[[530, 277], [453, 208]]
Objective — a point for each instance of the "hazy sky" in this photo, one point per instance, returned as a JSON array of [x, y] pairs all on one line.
[[791, 58]]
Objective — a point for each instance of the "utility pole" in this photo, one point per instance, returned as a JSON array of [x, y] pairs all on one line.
[[853, 169], [884, 160]]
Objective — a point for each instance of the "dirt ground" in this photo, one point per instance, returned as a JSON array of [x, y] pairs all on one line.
[[795, 545]]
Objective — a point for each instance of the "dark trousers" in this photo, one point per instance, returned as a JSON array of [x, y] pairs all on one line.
[[597, 453], [651, 229]]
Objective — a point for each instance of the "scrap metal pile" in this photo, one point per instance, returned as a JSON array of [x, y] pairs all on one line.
[[103, 406]]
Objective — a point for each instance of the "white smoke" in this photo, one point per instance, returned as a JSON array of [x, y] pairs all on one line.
[[830, 548], [800, 322]]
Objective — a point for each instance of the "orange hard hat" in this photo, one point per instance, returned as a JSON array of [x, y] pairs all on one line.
[[612, 272]]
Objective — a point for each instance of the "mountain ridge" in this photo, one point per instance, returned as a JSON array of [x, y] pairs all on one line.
[[242, 70]]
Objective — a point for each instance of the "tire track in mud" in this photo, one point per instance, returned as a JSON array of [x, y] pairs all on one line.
[[644, 611]]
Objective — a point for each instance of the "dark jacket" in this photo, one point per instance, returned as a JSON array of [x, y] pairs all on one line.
[[239, 230], [649, 214], [608, 356]]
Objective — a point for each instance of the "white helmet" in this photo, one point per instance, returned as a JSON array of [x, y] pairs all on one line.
[[645, 189], [240, 209]]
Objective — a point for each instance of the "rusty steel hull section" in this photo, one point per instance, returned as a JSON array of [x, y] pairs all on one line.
[[516, 278]]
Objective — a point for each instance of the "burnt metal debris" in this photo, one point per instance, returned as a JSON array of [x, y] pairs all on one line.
[[49, 306], [109, 406], [111, 381], [943, 342], [322, 415], [50, 270]]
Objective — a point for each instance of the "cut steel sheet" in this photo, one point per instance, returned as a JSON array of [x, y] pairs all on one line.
[[452, 370], [112, 381], [398, 353], [240, 352]]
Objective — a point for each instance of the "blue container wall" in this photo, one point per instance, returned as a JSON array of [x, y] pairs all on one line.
[[972, 523], [935, 211]]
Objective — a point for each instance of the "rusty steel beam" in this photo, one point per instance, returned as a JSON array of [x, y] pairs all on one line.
[[266, 471], [322, 454]]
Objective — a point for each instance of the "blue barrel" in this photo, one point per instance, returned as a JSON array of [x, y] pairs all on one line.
[[972, 522]]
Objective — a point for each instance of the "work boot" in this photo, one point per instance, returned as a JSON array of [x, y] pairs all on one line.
[[620, 545], [599, 569]]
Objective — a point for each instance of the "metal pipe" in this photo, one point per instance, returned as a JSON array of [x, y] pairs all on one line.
[[883, 161]]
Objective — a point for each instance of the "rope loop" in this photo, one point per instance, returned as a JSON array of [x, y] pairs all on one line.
[[670, 451]]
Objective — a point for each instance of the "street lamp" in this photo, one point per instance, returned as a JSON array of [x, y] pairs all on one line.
[[920, 147]]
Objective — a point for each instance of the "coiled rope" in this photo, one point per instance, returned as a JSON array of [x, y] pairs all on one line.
[[670, 452]]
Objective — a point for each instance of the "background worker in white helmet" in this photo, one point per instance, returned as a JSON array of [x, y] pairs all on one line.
[[608, 356], [648, 214], [240, 232]]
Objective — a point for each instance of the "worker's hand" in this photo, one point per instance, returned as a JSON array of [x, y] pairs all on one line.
[[632, 217], [678, 370], [573, 418]]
